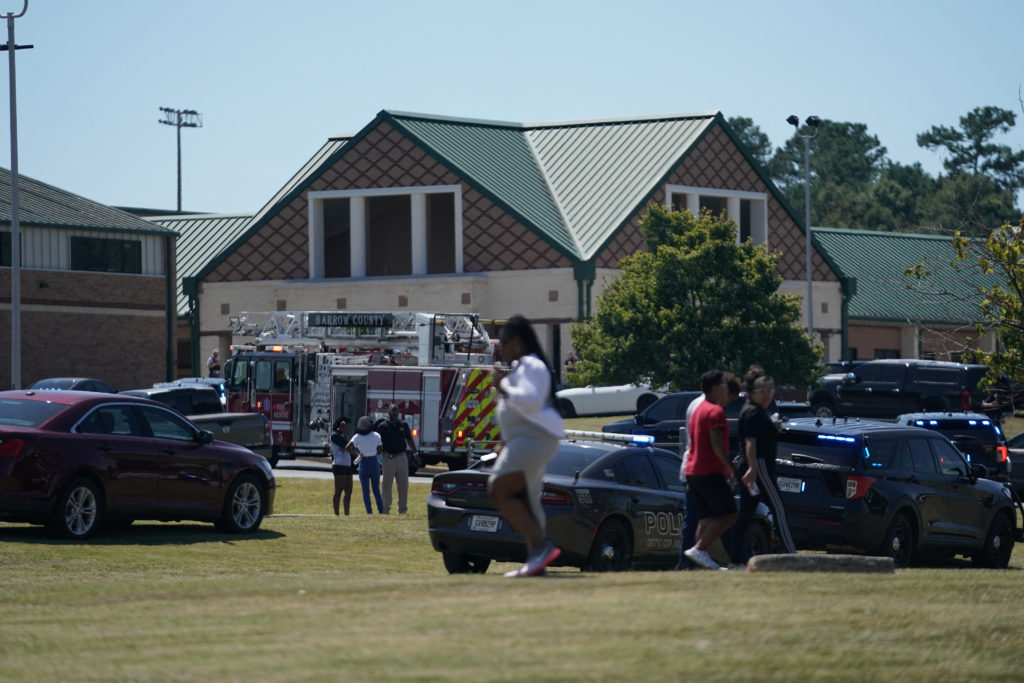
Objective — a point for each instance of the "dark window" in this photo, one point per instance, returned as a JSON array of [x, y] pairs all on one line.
[[716, 205], [441, 233], [282, 375], [636, 470], [950, 461], [164, 425], [106, 255], [111, 419], [892, 373], [921, 456], [205, 403], [664, 409], [5, 249], [883, 454], [938, 375], [744, 225], [337, 230], [389, 236], [668, 469]]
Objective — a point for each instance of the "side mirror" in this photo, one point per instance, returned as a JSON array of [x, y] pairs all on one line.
[[979, 471], [205, 436], [849, 378]]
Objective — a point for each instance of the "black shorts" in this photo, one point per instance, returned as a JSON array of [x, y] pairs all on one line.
[[344, 469], [712, 495]]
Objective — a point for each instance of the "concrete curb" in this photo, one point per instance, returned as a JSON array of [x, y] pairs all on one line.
[[857, 564]]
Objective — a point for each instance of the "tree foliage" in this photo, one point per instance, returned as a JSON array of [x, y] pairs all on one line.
[[757, 142], [695, 301], [970, 150]]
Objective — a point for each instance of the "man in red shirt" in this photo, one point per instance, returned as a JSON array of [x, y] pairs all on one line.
[[709, 472]]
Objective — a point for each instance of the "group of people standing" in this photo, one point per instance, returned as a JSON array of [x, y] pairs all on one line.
[[710, 476], [375, 450]]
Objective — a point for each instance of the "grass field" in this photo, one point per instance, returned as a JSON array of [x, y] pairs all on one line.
[[312, 597]]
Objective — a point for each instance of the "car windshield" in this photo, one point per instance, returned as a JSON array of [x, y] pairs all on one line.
[[53, 384], [573, 458], [22, 413]]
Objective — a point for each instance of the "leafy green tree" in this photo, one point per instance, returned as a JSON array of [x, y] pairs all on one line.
[[757, 142], [695, 301], [969, 148], [971, 203], [842, 155]]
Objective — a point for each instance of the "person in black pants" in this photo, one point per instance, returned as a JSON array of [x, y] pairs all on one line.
[[759, 438]]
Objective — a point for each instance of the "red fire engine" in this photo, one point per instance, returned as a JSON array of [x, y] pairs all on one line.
[[303, 370]]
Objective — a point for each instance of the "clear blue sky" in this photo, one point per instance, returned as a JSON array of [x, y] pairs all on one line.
[[274, 79]]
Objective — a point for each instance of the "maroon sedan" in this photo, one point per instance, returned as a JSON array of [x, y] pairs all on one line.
[[73, 459]]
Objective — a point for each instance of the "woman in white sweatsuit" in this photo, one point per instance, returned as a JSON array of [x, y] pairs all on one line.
[[530, 428]]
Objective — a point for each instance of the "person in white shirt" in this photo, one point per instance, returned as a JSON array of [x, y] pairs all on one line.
[[341, 465], [530, 428], [367, 446]]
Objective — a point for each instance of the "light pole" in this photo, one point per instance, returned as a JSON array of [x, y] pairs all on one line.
[[181, 118], [15, 225], [814, 122]]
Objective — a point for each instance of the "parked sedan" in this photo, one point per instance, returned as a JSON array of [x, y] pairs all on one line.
[[72, 460], [608, 507], [73, 384], [605, 400]]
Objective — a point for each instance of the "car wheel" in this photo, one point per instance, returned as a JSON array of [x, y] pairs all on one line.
[[899, 542], [78, 510], [243, 506], [823, 409], [644, 402], [998, 544], [612, 550], [760, 539], [565, 408], [457, 563]]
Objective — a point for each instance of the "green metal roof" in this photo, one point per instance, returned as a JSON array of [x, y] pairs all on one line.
[[883, 293], [42, 205], [576, 182], [201, 238]]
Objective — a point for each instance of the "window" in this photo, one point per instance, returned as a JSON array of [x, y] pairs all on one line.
[[118, 420], [106, 255], [5, 249], [950, 461], [921, 456], [389, 236], [665, 409], [337, 236], [440, 233], [884, 454], [749, 210], [636, 470], [668, 469], [165, 425]]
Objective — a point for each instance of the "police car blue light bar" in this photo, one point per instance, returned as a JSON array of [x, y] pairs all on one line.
[[836, 437]]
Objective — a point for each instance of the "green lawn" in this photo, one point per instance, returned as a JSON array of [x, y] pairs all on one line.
[[313, 597]]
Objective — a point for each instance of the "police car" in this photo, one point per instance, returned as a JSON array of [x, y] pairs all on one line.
[[610, 506]]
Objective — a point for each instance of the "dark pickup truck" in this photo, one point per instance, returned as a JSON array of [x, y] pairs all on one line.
[[201, 404], [879, 488]]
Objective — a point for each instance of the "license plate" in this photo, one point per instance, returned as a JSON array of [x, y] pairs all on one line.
[[484, 523], [790, 485]]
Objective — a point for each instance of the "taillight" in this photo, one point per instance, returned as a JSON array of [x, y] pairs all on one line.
[[857, 485], [552, 497], [1002, 455], [11, 448], [965, 400], [449, 486]]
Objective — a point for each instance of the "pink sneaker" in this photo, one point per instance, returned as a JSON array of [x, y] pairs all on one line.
[[536, 564]]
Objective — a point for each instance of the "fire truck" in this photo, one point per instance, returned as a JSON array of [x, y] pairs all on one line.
[[304, 370]]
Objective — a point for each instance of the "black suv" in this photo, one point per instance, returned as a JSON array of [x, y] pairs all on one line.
[[891, 387], [880, 488], [975, 435]]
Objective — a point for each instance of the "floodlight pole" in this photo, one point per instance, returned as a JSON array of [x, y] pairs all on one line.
[[814, 122], [181, 118], [15, 225]]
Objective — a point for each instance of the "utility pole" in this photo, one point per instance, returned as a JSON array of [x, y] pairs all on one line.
[[15, 225], [813, 122], [180, 118]]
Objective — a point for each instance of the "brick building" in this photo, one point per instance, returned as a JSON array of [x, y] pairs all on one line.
[[97, 288]]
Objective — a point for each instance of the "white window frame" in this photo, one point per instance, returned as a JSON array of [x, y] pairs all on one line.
[[357, 226], [758, 206]]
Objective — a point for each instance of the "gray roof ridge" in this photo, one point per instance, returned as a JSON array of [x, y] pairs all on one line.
[[200, 216], [488, 123], [881, 233], [554, 197], [622, 119]]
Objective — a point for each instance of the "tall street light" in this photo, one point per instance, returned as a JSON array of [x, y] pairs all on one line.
[[814, 122], [15, 225], [181, 118]]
